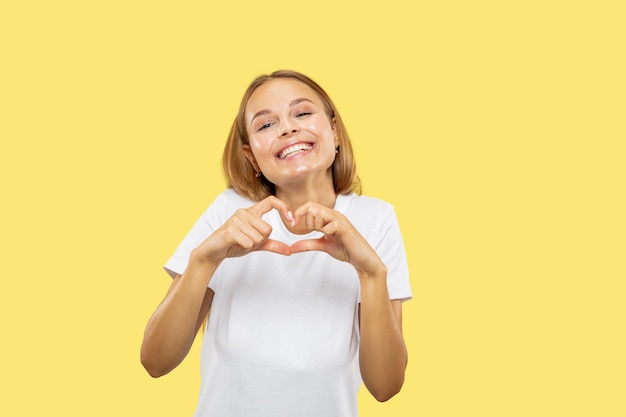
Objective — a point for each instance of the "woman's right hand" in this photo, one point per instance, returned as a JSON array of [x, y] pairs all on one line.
[[243, 233]]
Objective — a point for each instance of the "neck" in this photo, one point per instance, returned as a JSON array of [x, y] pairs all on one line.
[[298, 194], [296, 198]]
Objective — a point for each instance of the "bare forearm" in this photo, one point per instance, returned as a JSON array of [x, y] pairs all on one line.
[[383, 355], [172, 328]]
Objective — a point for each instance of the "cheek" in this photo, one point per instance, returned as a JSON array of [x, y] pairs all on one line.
[[321, 128], [262, 151], [258, 144]]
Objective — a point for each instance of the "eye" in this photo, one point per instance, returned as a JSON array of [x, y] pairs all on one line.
[[264, 126], [303, 114]]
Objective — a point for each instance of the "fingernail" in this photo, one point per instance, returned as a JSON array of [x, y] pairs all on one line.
[[290, 216]]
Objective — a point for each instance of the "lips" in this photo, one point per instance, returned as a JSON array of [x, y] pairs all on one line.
[[294, 149]]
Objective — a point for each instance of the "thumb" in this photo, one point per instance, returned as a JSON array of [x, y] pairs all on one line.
[[308, 245], [275, 246]]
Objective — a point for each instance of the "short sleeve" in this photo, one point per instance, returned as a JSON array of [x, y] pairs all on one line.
[[178, 262], [212, 218], [391, 250]]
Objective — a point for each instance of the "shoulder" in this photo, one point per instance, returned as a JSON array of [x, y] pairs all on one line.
[[224, 205], [229, 198], [354, 203], [367, 214]]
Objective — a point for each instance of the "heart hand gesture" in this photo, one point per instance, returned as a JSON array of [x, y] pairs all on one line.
[[341, 240], [245, 232]]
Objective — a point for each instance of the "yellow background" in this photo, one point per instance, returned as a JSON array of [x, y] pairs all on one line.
[[495, 128]]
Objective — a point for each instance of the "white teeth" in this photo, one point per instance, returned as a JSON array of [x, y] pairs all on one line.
[[293, 149]]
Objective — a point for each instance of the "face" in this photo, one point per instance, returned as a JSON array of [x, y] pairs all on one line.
[[290, 134]]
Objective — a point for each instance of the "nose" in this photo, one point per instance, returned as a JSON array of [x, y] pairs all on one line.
[[287, 129]]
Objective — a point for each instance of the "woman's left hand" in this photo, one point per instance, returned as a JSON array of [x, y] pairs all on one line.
[[341, 240], [382, 352]]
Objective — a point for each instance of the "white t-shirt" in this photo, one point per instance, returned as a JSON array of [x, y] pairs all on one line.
[[282, 337]]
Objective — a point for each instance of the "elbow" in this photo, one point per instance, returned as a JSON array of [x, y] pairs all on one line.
[[383, 398], [154, 368], [154, 371], [387, 391], [386, 385], [386, 394]]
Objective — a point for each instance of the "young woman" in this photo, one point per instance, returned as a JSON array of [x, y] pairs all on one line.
[[301, 277]]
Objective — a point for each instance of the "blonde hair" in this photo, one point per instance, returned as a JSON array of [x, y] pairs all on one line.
[[240, 173]]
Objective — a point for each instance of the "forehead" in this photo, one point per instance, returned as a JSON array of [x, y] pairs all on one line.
[[279, 93]]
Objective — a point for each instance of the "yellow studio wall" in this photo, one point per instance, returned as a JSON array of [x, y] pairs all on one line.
[[495, 128]]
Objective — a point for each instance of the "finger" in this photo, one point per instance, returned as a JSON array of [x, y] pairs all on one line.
[[316, 218], [330, 228], [270, 203], [301, 212], [250, 225], [243, 239], [250, 220], [319, 220], [308, 245], [309, 220], [307, 215], [275, 246]]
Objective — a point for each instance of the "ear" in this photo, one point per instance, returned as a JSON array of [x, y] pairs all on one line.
[[247, 151], [334, 129]]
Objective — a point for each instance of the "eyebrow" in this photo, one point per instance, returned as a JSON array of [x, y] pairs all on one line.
[[293, 103]]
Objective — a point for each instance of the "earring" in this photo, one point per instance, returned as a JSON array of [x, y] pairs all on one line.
[[258, 174], [337, 150]]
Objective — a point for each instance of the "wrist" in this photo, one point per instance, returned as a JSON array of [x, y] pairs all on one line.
[[197, 259], [376, 274]]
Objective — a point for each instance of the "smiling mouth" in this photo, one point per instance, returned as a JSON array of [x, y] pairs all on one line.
[[294, 149]]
